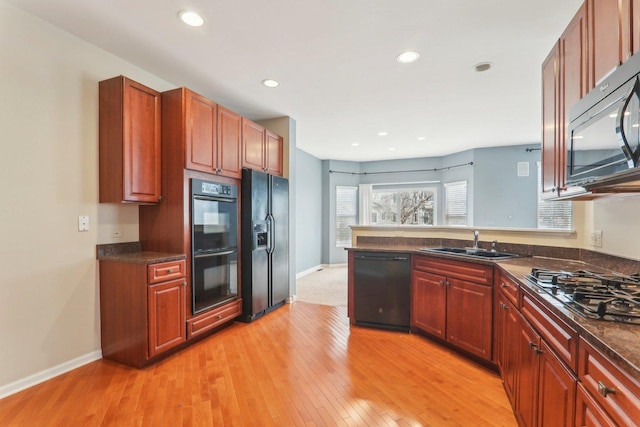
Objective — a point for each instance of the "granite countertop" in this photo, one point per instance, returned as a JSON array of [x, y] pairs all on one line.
[[619, 341], [132, 253]]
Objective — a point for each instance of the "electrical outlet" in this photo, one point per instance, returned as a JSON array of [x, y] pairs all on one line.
[[596, 238], [83, 223], [116, 234]]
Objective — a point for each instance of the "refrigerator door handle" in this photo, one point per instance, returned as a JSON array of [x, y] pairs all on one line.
[[271, 221]]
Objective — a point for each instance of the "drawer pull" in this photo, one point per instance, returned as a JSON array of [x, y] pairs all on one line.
[[219, 316], [533, 346], [503, 285], [170, 270], [604, 390], [441, 282], [504, 306]]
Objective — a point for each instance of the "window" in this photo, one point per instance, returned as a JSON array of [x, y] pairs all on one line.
[[402, 204], [455, 200], [556, 214], [346, 213]]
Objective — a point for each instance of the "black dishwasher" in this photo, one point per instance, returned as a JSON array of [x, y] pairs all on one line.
[[382, 283]]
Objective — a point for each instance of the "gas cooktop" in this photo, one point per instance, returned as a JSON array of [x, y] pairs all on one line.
[[601, 296]]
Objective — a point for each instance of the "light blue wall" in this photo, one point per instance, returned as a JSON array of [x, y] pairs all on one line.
[[308, 211], [496, 195], [501, 197]]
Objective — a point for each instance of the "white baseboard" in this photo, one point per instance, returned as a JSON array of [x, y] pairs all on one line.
[[334, 265], [308, 271], [47, 374]]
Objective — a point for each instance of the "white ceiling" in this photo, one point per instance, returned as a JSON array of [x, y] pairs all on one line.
[[335, 61]]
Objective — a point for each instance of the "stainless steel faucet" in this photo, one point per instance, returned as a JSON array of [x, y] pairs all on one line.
[[476, 234]]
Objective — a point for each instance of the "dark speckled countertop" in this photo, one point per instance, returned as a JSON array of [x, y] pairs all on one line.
[[620, 341], [132, 253]]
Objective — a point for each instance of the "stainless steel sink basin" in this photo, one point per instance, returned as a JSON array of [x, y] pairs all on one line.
[[471, 252]]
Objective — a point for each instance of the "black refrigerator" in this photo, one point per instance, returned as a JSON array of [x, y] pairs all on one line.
[[265, 243]]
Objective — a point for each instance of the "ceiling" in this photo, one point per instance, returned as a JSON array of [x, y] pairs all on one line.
[[336, 64]]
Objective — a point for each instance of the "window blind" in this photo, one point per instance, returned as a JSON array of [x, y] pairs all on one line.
[[553, 214], [455, 194], [346, 213]]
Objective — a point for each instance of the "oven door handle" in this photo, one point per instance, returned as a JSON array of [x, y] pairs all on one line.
[[214, 254]]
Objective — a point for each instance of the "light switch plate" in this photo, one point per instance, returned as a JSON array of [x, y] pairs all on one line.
[[596, 238], [83, 223]]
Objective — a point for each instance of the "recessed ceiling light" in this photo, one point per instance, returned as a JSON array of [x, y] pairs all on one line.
[[355, 144], [483, 66], [392, 148], [407, 57], [191, 18], [383, 133], [270, 83], [422, 138]]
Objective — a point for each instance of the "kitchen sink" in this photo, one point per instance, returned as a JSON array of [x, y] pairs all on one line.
[[471, 252]]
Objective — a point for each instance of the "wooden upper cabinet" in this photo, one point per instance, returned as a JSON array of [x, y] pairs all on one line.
[[609, 29], [201, 137], [130, 142], [273, 151], [261, 148], [211, 132], [635, 26], [229, 142], [550, 122], [252, 145]]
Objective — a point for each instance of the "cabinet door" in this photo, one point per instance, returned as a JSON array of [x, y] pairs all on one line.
[[229, 143], [428, 303], [556, 391], [550, 122], [167, 321], [252, 145], [200, 128], [527, 377], [589, 412], [508, 333], [469, 318], [635, 26], [608, 45], [130, 149], [273, 152]]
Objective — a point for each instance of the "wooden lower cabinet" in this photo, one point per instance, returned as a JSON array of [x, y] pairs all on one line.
[[508, 328], [429, 303], [142, 310], [447, 304], [556, 390], [589, 412]]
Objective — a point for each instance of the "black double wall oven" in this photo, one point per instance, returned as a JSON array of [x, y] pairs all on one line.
[[214, 244]]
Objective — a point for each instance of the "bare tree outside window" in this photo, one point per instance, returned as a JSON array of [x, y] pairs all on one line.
[[410, 206]]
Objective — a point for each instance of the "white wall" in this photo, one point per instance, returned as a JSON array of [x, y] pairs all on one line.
[[48, 176]]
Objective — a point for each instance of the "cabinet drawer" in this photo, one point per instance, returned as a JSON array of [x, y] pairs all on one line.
[[615, 390], [166, 271], [477, 273], [589, 412], [560, 337], [509, 288], [210, 320]]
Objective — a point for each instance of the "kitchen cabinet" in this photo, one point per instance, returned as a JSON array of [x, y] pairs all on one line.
[[211, 133], [142, 309], [507, 330], [466, 290], [551, 125], [212, 319], [129, 142], [606, 388], [261, 149], [609, 30], [429, 303], [635, 26]]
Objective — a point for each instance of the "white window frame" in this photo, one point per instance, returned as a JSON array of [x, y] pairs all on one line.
[[401, 186], [451, 186]]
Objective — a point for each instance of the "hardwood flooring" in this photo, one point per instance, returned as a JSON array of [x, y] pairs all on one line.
[[301, 365]]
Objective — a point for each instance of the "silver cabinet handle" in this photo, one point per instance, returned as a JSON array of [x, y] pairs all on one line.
[[604, 390]]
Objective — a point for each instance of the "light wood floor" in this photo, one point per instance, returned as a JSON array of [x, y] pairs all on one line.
[[299, 365]]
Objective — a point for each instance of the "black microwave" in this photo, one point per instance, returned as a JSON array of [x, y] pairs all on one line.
[[603, 140]]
